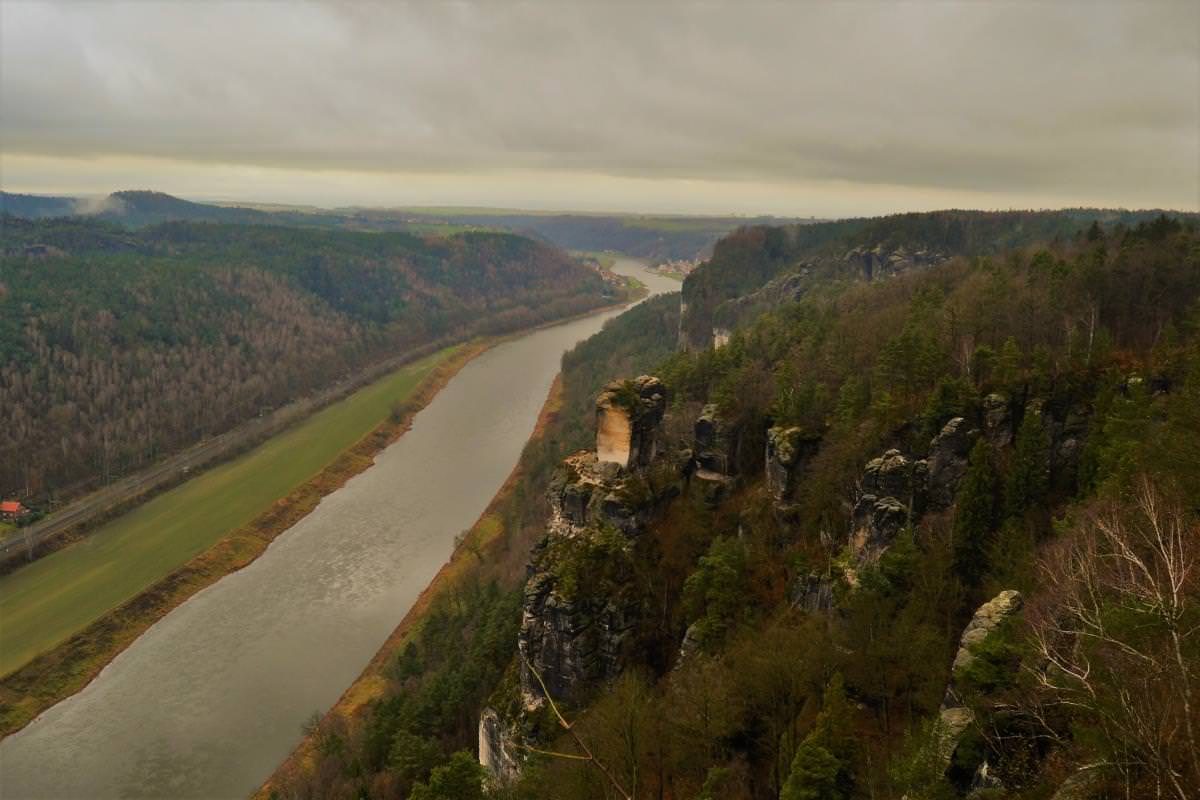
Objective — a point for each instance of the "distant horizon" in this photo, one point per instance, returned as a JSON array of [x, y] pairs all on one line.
[[432, 208]]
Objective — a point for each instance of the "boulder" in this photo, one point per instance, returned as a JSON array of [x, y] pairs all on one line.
[[895, 475], [877, 523]]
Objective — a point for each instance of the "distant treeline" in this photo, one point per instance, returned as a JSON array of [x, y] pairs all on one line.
[[655, 238]]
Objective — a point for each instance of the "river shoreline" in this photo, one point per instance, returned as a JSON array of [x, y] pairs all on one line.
[[480, 541], [70, 666], [213, 696]]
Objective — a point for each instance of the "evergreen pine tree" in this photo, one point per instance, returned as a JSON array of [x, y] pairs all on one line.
[[1029, 478], [975, 517]]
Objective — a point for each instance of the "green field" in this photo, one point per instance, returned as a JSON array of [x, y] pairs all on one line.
[[52, 598]]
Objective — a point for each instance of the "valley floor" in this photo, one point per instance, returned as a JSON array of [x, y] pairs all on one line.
[[66, 615]]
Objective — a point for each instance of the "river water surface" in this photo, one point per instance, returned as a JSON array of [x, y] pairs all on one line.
[[211, 698]]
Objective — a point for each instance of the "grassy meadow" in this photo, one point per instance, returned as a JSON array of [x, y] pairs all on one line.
[[47, 601]]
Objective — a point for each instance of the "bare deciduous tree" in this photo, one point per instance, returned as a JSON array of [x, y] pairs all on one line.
[[1117, 639]]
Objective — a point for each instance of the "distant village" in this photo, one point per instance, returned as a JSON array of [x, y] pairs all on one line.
[[676, 268]]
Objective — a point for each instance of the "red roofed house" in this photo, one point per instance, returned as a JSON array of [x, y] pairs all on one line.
[[11, 509]]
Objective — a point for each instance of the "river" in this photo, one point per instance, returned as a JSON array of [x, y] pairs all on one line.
[[212, 697]]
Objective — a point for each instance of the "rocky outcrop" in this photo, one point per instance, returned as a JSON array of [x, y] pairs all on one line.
[[788, 452], [1067, 438], [779, 291], [813, 593], [572, 639], [713, 444], [581, 603], [627, 417], [587, 493], [881, 261], [948, 461], [997, 420], [955, 717], [892, 493], [498, 753], [988, 617]]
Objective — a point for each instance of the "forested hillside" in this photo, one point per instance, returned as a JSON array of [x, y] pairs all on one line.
[[929, 534], [654, 238], [649, 237], [118, 346], [777, 263]]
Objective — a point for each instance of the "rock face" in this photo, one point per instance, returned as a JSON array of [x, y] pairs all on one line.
[[954, 717], [813, 593], [627, 417], [1067, 437], [713, 444], [779, 291], [893, 489], [788, 452], [497, 751], [581, 603], [997, 420], [948, 461], [572, 641], [988, 617], [587, 493], [882, 261]]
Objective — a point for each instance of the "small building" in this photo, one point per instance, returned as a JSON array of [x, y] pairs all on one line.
[[12, 509]]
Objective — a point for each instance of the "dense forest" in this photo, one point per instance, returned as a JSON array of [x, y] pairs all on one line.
[[929, 533], [118, 346]]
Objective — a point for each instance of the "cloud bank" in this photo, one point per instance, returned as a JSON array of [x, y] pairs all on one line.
[[813, 108]]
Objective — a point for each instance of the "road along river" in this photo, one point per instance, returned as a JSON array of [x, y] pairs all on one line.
[[214, 695]]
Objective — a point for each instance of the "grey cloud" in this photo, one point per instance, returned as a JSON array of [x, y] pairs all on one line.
[[1082, 99]]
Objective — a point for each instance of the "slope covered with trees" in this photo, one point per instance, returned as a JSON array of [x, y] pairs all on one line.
[[655, 238], [118, 346], [1003, 443]]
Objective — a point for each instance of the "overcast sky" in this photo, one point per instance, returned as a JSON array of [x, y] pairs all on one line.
[[804, 109]]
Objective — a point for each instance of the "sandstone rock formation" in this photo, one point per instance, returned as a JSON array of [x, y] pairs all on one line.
[[572, 640], [627, 417], [586, 492], [892, 494], [997, 419], [955, 717], [788, 451], [498, 753], [882, 261], [580, 600], [713, 445], [948, 461], [813, 593]]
